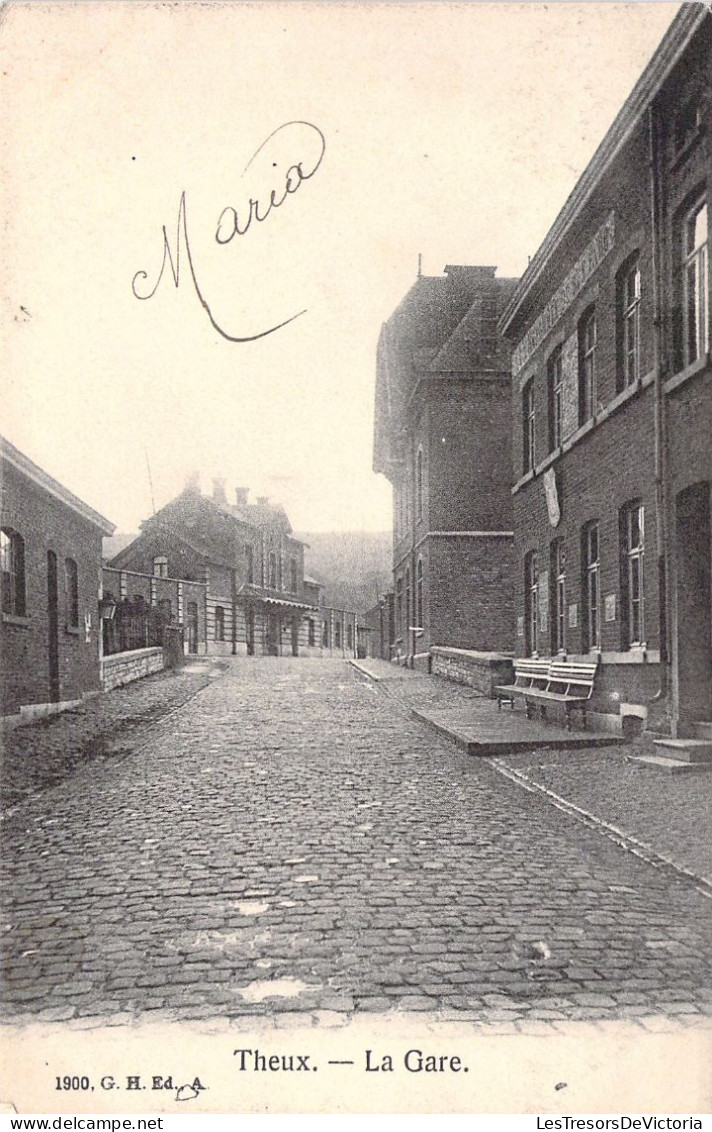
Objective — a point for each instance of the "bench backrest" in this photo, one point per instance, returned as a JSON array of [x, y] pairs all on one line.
[[578, 675], [529, 669]]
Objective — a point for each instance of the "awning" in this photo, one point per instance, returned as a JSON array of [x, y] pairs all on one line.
[[284, 604]]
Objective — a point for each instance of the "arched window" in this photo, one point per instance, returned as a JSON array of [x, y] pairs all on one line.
[[555, 378], [531, 600], [219, 623], [419, 595], [407, 598], [558, 596], [71, 590], [419, 483], [587, 365], [694, 281], [528, 427], [591, 586], [272, 571], [632, 574], [12, 568], [628, 329]]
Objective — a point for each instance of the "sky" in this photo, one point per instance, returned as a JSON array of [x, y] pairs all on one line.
[[451, 131]]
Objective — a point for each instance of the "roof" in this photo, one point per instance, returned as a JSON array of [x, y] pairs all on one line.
[[686, 23], [53, 487]]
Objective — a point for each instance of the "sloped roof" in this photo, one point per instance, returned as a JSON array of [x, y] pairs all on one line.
[[53, 487]]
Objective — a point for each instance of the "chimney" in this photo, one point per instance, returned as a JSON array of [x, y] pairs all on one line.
[[241, 494], [192, 483], [219, 491], [263, 500]]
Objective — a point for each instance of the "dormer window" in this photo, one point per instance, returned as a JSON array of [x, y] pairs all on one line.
[[160, 566]]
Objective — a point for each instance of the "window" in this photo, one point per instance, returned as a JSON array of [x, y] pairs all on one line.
[[419, 595], [219, 623], [337, 635], [349, 636], [419, 483], [695, 284], [587, 366], [399, 607], [558, 597], [71, 590], [325, 635], [249, 563], [407, 598], [12, 565], [629, 323], [311, 632], [529, 426], [555, 374], [272, 571], [632, 587], [591, 587], [293, 575], [160, 566], [531, 601]]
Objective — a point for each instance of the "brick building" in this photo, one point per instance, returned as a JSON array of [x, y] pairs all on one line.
[[612, 406], [442, 437], [50, 561], [257, 603]]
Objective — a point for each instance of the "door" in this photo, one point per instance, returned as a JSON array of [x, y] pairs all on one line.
[[53, 627], [250, 631], [192, 620], [295, 636], [272, 634], [694, 604]]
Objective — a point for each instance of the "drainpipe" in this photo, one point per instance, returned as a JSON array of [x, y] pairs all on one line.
[[660, 362]]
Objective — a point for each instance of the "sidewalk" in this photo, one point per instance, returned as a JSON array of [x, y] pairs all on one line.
[[40, 754], [665, 819]]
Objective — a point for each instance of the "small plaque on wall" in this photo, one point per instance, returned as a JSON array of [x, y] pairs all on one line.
[[610, 607], [573, 615], [520, 626]]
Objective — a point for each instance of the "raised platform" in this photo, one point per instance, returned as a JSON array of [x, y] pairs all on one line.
[[480, 729]]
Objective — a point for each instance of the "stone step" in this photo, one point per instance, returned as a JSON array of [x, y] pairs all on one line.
[[667, 766], [702, 729], [686, 750]]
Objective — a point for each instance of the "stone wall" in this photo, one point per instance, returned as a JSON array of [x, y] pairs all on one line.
[[480, 670], [123, 667]]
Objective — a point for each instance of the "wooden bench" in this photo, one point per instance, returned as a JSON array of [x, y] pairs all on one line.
[[528, 675], [570, 684]]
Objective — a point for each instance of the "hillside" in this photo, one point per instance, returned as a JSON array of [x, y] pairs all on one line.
[[355, 566]]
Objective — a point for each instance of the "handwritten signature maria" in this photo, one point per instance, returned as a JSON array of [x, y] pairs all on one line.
[[232, 223]]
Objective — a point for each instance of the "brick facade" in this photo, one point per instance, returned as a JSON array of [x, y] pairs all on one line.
[[442, 437], [49, 627], [612, 410]]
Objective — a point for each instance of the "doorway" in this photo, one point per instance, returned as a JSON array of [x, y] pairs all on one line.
[[693, 605], [295, 636], [53, 626], [273, 629], [192, 623]]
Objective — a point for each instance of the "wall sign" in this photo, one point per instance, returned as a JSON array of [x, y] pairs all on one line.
[[552, 497], [562, 299]]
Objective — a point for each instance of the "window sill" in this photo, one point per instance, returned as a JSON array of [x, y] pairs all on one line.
[[687, 373], [73, 630], [13, 619]]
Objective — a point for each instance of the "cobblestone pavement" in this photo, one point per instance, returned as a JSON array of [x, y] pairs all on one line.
[[108, 726], [669, 815], [291, 840]]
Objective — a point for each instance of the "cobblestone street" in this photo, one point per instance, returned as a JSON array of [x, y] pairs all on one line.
[[291, 840]]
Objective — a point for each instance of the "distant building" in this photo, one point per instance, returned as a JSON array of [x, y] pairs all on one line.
[[50, 564], [257, 603], [612, 395], [443, 439]]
